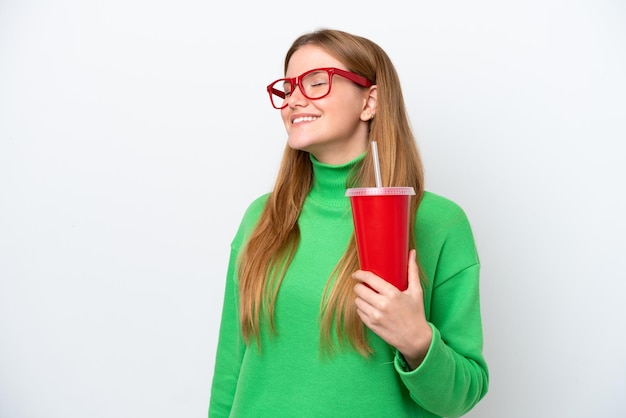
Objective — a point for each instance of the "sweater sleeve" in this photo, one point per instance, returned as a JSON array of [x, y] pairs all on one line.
[[230, 350], [231, 347], [453, 377]]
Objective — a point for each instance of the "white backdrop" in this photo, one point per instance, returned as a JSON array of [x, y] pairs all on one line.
[[133, 134]]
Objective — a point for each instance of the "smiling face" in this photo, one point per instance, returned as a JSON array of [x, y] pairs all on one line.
[[335, 128]]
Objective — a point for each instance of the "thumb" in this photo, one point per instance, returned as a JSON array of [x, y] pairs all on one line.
[[413, 271]]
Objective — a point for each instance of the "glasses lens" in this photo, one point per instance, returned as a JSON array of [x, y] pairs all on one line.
[[316, 84]]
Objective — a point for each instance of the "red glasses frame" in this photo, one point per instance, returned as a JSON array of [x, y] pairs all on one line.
[[296, 81]]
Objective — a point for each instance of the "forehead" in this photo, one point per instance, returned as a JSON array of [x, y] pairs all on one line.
[[308, 57]]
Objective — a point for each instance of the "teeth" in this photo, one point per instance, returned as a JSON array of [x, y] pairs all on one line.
[[304, 119]]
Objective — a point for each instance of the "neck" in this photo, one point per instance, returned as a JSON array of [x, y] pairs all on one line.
[[329, 181]]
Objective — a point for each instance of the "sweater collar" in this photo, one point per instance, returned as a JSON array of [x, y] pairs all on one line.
[[329, 181]]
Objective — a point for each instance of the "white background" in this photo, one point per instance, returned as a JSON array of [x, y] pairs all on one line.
[[133, 134]]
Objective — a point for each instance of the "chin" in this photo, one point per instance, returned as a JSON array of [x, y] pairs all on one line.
[[300, 145]]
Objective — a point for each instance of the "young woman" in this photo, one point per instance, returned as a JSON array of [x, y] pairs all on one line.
[[304, 332]]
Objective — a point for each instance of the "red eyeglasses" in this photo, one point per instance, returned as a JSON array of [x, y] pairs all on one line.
[[314, 84]]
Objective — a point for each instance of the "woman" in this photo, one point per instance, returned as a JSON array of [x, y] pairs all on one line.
[[304, 332]]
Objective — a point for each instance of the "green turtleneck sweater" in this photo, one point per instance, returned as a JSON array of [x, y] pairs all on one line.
[[290, 378]]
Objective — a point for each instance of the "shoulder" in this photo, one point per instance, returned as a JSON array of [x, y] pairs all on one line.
[[444, 237], [255, 208], [440, 220], [439, 212], [249, 220]]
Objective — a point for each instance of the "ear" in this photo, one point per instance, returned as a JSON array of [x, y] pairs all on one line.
[[369, 108]]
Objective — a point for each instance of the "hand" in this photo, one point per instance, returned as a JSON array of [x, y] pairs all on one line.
[[395, 316]]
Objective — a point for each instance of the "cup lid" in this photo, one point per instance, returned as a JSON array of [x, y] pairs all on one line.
[[380, 191]]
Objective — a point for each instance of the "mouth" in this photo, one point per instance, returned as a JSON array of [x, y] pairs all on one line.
[[301, 119]]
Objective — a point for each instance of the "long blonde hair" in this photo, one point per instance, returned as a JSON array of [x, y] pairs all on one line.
[[272, 245]]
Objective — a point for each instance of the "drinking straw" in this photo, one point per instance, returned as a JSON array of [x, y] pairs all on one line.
[[379, 182]]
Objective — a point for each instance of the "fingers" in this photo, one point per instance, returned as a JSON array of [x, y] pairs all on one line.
[[382, 286], [372, 281]]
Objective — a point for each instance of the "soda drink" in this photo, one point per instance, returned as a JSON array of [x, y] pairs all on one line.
[[381, 226]]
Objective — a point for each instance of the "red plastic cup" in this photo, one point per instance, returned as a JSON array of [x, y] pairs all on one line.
[[381, 226]]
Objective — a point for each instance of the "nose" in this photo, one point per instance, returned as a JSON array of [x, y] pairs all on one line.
[[296, 97]]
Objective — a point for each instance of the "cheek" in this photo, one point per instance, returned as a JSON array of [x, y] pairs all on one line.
[[284, 114], [349, 111]]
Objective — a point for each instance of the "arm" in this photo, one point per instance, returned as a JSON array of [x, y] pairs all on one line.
[[453, 376], [439, 361], [230, 349]]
